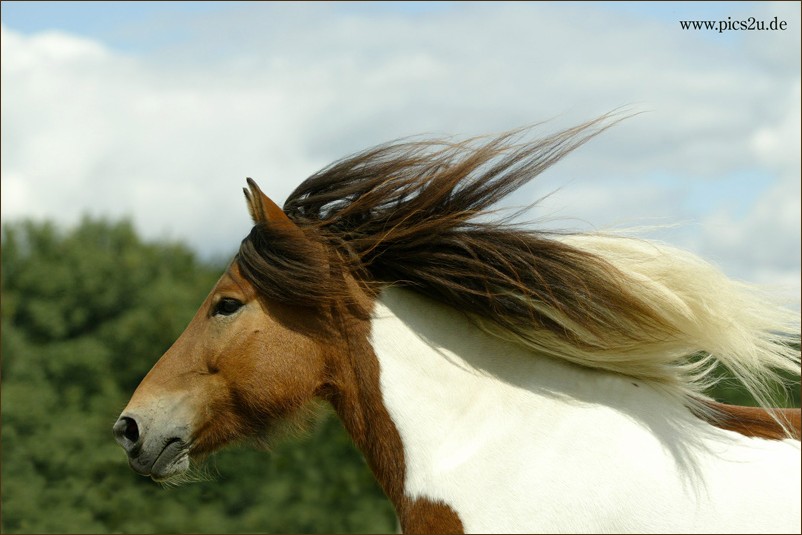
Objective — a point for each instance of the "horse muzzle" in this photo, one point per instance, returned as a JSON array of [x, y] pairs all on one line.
[[159, 452]]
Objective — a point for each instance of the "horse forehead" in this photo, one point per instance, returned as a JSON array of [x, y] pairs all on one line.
[[233, 281]]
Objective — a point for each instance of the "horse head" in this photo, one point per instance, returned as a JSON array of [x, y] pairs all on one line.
[[244, 363]]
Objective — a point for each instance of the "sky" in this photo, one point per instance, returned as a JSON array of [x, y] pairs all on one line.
[[157, 111]]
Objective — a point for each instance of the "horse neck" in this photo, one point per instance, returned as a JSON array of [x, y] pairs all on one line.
[[355, 393], [415, 364], [448, 392], [459, 426], [353, 390], [419, 342]]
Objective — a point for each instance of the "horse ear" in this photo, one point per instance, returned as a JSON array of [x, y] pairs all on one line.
[[264, 210]]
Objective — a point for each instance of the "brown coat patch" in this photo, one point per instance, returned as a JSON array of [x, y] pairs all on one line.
[[425, 516], [757, 422]]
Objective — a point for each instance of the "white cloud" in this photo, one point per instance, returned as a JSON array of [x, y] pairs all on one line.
[[276, 91], [767, 239]]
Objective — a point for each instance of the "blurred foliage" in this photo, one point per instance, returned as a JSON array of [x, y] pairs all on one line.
[[85, 314], [784, 394]]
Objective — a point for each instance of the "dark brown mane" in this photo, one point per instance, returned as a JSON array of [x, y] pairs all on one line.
[[415, 214], [405, 213], [284, 268]]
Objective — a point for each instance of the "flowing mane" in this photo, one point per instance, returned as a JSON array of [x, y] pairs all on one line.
[[417, 214]]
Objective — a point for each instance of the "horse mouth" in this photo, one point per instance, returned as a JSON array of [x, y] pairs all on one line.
[[171, 461]]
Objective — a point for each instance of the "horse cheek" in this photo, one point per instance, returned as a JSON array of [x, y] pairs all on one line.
[[279, 379]]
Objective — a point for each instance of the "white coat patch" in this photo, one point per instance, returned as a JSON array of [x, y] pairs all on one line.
[[516, 442]]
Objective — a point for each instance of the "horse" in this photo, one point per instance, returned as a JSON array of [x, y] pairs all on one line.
[[496, 377]]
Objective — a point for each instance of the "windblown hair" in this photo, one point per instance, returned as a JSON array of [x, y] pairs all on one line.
[[416, 214]]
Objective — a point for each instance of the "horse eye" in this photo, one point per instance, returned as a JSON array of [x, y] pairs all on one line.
[[226, 307]]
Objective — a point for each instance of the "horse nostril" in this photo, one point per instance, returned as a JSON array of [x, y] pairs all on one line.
[[126, 432], [131, 431]]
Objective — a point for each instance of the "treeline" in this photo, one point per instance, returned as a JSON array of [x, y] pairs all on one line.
[[85, 314]]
